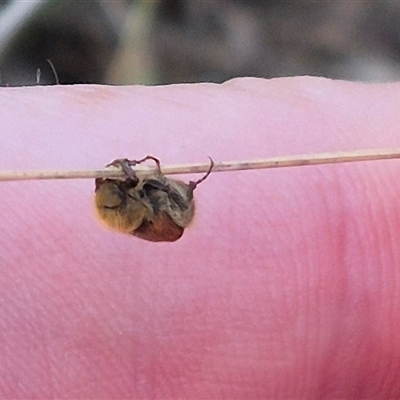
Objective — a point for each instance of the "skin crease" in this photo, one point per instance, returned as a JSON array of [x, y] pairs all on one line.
[[285, 286]]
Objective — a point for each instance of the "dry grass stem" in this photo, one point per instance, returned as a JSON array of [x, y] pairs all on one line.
[[276, 162]]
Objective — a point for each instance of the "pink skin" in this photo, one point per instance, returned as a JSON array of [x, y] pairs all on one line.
[[286, 286]]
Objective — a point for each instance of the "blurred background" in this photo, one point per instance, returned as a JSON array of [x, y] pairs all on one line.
[[170, 41]]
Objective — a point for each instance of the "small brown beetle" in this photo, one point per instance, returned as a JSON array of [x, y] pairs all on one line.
[[154, 208]]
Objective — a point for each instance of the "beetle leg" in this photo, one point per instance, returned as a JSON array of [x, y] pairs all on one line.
[[193, 185], [125, 165], [156, 160]]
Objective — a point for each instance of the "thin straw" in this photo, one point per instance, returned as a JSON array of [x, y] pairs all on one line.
[[275, 162]]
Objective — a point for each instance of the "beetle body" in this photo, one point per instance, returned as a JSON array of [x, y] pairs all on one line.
[[154, 208]]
